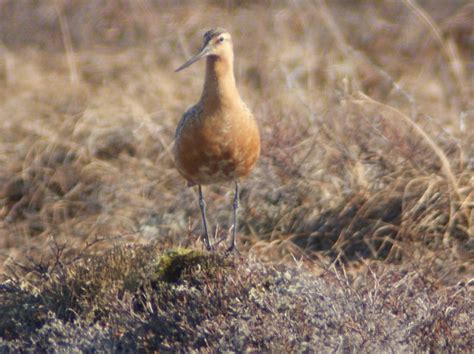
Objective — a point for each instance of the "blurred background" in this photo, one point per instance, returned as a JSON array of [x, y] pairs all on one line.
[[365, 109]]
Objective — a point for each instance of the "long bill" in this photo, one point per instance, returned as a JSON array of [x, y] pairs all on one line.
[[204, 51]]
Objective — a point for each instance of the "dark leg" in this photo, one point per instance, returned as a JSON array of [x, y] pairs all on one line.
[[233, 246], [202, 206]]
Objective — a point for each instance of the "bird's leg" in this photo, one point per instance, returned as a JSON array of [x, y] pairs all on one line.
[[235, 205], [202, 206]]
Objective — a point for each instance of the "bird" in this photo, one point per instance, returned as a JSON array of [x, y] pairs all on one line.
[[217, 140]]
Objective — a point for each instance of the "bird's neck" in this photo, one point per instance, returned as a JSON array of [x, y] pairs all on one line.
[[219, 85]]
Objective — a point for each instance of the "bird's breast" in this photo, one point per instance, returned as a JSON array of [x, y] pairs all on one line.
[[218, 146]]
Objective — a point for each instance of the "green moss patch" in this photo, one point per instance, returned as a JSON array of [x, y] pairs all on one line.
[[173, 264]]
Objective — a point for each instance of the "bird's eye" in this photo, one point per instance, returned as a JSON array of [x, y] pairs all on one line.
[[221, 39]]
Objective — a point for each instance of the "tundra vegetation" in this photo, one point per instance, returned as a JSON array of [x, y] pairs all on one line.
[[357, 225]]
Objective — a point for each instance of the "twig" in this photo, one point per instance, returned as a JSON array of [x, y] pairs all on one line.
[[454, 194], [67, 41], [350, 52], [449, 51]]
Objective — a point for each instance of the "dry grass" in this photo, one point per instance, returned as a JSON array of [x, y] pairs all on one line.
[[133, 300], [365, 108]]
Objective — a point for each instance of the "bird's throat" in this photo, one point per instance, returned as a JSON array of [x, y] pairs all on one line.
[[219, 85]]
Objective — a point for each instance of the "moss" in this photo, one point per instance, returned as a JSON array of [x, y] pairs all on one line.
[[171, 265], [192, 301]]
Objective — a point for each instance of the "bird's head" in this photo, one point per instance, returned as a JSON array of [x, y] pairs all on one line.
[[217, 43]]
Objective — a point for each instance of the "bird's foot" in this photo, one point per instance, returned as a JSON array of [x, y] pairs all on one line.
[[207, 243], [232, 250]]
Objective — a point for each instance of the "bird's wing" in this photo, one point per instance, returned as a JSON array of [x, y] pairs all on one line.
[[194, 111]]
